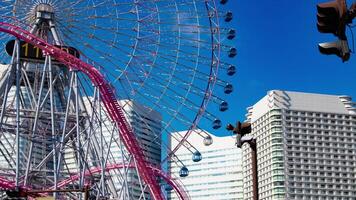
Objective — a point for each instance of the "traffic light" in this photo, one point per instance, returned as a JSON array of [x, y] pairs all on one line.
[[241, 130], [339, 48], [332, 18]]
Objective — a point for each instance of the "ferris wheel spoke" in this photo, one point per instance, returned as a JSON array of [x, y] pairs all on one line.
[[192, 41], [173, 97], [179, 95], [171, 111], [97, 51], [161, 68], [184, 83], [166, 46]]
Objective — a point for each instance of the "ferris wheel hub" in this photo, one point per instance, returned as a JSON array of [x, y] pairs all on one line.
[[44, 11]]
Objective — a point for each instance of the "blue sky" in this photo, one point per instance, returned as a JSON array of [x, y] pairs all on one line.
[[277, 49]]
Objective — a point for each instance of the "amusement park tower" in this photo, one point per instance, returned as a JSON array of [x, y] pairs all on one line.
[[218, 175], [32, 104], [42, 113], [50, 136], [305, 146]]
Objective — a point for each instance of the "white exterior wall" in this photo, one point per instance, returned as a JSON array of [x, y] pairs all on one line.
[[217, 176], [306, 147]]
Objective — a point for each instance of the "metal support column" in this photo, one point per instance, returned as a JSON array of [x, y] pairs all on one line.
[[54, 137], [253, 146], [18, 71], [79, 145]]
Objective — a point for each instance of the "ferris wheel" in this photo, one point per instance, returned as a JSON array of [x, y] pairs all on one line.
[[90, 90]]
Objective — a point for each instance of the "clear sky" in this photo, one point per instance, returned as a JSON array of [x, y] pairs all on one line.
[[277, 49]]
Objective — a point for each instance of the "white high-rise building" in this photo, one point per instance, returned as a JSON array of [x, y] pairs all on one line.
[[306, 147], [217, 176]]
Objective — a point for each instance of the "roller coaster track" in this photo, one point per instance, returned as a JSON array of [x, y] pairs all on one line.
[[170, 181], [109, 100], [8, 185]]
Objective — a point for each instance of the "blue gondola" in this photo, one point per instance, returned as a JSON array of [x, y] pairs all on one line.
[[232, 52], [228, 16], [197, 156], [216, 124], [228, 88], [184, 172], [224, 106], [231, 33], [231, 70]]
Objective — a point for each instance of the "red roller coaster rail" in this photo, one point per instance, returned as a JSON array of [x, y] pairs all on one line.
[[176, 186], [110, 102], [10, 185]]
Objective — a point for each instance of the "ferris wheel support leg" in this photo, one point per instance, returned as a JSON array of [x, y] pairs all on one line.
[[35, 26], [102, 159], [35, 124], [54, 33], [63, 137], [8, 85], [79, 146], [18, 71], [52, 124]]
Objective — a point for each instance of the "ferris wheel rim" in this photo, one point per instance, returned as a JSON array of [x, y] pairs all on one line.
[[211, 79]]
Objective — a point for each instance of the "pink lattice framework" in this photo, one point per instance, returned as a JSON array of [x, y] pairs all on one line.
[[110, 102]]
